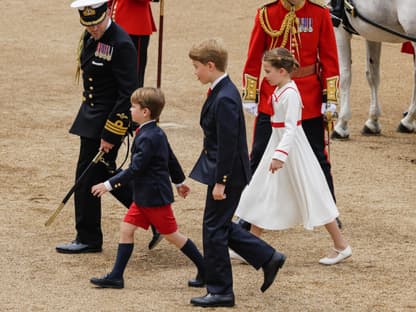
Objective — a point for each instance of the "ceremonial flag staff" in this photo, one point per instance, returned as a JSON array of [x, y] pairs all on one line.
[[160, 46]]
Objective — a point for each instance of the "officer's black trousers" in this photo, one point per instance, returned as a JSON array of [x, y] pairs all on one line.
[[87, 206]]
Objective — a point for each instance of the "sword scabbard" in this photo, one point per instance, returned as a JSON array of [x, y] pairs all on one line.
[[55, 213]]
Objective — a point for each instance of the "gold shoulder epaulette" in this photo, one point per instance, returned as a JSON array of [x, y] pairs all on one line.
[[270, 3], [321, 3]]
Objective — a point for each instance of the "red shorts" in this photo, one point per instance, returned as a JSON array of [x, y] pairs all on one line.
[[161, 217]]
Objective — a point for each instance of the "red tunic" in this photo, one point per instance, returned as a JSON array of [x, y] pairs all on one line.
[[134, 16], [316, 44], [407, 47]]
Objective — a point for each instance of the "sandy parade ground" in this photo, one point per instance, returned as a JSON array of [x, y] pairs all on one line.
[[374, 178]]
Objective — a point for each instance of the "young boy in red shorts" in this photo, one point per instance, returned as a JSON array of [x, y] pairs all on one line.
[[152, 163]]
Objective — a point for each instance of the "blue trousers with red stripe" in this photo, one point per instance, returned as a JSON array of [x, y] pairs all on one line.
[[141, 43]]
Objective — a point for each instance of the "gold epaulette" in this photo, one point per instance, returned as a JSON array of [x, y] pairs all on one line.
[[319, 3], [270, 3]]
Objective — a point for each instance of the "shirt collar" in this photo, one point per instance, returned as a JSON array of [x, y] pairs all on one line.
[[147, 122], [216, 81]]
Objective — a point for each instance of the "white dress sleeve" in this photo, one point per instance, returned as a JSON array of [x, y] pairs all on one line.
[[292, 108]]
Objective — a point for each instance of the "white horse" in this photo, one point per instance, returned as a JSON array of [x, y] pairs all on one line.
[[397, 15]]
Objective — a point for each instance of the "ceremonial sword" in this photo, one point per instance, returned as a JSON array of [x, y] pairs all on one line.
[[96, 159]]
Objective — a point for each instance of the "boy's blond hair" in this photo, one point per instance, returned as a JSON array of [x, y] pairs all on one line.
[[150, 98], [210, 50]]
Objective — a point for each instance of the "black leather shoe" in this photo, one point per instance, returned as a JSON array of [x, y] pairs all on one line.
[[155, 239], [198, 281], [214, 300], [271, 268], [107, 282], [77, 247], [244, 224]]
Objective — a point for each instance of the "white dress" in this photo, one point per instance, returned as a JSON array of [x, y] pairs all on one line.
[[297, 193]]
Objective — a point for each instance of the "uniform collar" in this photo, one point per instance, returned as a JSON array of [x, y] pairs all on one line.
[[288, 5]]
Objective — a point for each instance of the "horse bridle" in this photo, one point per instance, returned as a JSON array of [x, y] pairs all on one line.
[[352, 10]]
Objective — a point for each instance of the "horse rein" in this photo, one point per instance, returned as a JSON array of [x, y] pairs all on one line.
[[352, 10]]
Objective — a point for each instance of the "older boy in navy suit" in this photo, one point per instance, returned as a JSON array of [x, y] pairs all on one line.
[[224, 167], [152, 162]]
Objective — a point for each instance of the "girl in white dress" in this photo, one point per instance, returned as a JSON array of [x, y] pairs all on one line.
[[289, 188]]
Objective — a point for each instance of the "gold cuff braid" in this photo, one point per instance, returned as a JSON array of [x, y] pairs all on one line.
[[116, 127], [332, 89], [250, 88]]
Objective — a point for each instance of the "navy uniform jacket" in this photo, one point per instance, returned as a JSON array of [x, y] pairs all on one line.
[[222, 114], [109, 76], [152, 162]]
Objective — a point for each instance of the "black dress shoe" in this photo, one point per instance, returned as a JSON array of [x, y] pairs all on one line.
[[155, 239], [77, 247], [244, 224], [214, 300], [198, 281], [271, 268], [107, 282]]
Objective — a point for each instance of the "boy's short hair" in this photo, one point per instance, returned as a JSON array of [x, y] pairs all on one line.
[[210, 50], [150, 98]]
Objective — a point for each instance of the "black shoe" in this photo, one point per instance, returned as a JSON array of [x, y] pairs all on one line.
[[155, 240], [107, 282], [214, 300], [75, 247], [244, 224], [271, 268], [198, 281]]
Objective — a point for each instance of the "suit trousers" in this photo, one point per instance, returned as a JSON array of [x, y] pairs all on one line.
[[87, 206], [314, 131], [141, 43], [219, 233]]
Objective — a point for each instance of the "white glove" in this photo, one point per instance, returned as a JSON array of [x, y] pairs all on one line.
[[328, 108], [329, 111], [250, 107]]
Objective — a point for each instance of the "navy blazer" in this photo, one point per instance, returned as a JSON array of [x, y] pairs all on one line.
[[152, 163], [224, 158]]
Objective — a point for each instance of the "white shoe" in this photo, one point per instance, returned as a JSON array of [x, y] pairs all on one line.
[[342, 254], [236, 256]]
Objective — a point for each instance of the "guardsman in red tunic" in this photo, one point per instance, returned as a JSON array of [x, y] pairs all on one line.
[[305, 28], [135, 17], [407, 47]]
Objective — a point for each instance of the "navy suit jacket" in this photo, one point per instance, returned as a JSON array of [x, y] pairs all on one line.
[[152, 163], [224, 158]]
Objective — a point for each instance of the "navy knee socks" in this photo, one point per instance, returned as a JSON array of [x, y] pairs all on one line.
[[123, 255], [190, 250]]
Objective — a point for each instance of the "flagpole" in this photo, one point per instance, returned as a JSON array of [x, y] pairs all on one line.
[[160, 46]]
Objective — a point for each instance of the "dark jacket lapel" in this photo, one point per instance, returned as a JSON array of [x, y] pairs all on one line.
[[212, 96]]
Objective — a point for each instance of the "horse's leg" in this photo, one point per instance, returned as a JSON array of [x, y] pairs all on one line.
[[408, 123], [372, 126], [343, 39]]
